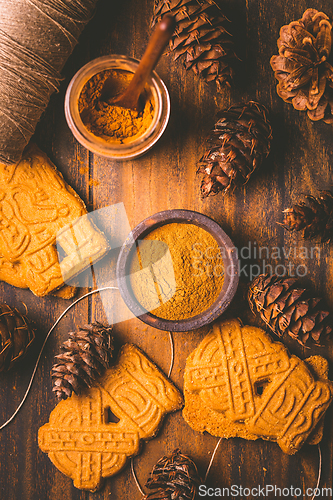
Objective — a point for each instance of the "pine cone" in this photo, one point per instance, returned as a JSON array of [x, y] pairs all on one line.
[[16, 336], [240, 140], [287, 309], [88, 353], [302, 67], [200, 35], [173, 478], [314, 217]]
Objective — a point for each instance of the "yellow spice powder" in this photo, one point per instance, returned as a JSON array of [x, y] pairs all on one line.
[[177, 271], [112, 123]]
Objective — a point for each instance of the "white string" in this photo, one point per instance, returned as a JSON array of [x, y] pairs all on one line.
[[212, 459], [135, 478], [172, 347], [44, 343], [319, 472]]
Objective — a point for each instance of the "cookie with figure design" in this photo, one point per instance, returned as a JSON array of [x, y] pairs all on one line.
[[39, 211], [239, 383], [82, 440]]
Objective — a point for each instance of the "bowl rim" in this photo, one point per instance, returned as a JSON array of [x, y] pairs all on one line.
[[230, 260]]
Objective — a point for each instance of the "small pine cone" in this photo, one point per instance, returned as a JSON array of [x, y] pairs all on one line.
[[201, 37], [88, 353], [303, 67], [287, 309], [173, 478], [314, 217], [16, 336], [237, 145]]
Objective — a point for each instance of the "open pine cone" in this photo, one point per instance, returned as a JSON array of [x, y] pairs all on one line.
[[173, 478], [88, 353], [313, 217], [200, 35], [287, 309], [237, 145], [16, 336], [303, 67]]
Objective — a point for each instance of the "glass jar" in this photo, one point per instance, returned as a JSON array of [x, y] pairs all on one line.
[[138, 146]]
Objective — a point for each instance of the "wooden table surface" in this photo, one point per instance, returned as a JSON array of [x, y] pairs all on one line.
[[165, 178]]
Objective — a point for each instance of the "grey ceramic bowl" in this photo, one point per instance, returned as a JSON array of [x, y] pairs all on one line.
[[230, 262]]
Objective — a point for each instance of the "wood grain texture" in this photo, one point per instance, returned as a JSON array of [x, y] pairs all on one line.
[[165, 178]]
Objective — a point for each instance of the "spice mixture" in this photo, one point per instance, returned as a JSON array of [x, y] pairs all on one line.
[[112, 123], [177, 272]]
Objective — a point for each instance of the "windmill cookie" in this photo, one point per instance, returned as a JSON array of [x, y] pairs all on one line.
[[239, 383], [35, 204], [81, 440]]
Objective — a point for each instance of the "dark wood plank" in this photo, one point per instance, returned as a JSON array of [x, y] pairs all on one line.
[[165, 178]]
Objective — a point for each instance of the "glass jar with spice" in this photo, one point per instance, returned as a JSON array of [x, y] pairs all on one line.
[[109, 130]]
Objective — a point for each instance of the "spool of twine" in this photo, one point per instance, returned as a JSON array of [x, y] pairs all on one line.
[[36, 39]]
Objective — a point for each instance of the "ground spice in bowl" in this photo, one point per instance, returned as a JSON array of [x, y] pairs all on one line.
[[177, 271], [112, 123]]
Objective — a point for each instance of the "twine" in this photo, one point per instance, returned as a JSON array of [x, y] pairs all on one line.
[[36, 39]]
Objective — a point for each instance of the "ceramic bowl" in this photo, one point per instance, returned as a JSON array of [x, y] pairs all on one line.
[[230, 261]]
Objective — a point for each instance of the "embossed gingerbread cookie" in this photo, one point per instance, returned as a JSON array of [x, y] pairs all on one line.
[[35, 205], [82, 442], [239, 383]]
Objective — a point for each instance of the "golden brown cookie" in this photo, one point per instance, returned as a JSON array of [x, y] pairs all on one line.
[[82, 442], [35, 204], [239, 383]]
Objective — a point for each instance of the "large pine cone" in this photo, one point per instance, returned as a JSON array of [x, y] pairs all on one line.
[[287, 309], [16, 336], [173, 478], [302, 67], [88, 353], [236, 147], [313, 217], [200, 35]]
